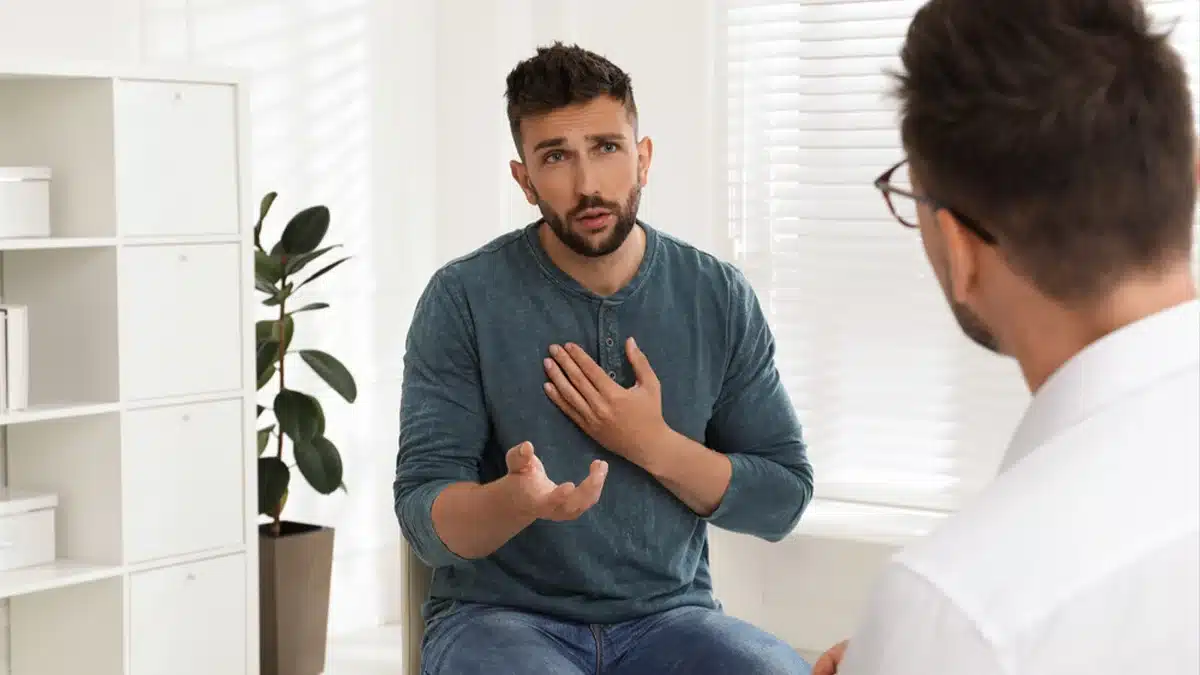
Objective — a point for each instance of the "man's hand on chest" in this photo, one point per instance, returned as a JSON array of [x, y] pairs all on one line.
[[626, 421]]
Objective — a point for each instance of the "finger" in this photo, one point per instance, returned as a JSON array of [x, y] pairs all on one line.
[[823, 666], [641, 365], [587, 494], [593, 485], [591, 370], [564, 394], [570, 411], [552, 505], [574, 362], [519, 457]]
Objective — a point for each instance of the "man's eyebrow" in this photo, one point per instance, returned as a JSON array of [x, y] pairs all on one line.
[[608, 137], [550, 143], [558, 141]]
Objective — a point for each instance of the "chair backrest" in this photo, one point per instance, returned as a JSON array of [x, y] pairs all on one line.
[[417, 578]]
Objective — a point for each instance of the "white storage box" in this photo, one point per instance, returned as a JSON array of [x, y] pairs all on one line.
[[26, 528], [24, 201]]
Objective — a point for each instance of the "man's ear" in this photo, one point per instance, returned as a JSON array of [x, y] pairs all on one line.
[[645, 152], [521, 175], [962, 256]]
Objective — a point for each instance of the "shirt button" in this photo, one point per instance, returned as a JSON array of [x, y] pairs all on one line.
[[608, 341], [612, 374]]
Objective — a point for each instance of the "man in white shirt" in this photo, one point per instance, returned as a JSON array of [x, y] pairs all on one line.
[[1052, 175]]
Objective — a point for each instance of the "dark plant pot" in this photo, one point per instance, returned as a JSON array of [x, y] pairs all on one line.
[[294, 571]]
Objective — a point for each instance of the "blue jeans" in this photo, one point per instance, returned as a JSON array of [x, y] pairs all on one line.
[[473, 639]]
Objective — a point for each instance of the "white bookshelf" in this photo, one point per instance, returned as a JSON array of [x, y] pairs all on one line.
[[141, 373]]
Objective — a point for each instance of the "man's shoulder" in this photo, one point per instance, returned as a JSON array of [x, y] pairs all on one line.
[[690, 265], [482, 269], [482, 264], [1060, 527]]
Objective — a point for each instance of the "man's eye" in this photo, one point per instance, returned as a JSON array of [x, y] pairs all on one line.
[[552, 157], [609, 147]]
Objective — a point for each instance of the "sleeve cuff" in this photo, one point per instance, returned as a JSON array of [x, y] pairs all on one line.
[[416, 515], [731, 502]]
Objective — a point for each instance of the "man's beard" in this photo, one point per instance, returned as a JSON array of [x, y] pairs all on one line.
[[973, 327], [626, 220]]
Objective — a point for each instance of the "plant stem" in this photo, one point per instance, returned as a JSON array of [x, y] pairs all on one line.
[[275, 522]]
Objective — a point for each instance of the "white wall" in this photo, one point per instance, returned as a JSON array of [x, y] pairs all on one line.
[[391, 113]]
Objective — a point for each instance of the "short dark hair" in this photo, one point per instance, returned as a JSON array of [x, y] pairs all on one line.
[[558, 76], [1064, 127]]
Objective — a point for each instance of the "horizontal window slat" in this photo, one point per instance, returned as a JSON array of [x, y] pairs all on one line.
[[743, 12], [784, 64], [811, 49]]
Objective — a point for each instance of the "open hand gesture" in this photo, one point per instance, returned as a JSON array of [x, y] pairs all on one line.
[[539, 497]]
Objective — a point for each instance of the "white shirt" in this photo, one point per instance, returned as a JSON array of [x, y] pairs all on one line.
[[1083, 556]]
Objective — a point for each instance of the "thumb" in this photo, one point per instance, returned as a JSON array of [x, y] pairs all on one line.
[[519, 457], [641, 365]]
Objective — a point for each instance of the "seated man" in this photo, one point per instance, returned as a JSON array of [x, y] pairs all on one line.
[[582, 397], [1051, 175]]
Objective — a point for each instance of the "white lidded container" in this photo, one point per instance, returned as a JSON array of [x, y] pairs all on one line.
[[26, 528], [24, 201]]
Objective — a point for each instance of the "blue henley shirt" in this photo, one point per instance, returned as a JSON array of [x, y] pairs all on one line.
[[472, 389]]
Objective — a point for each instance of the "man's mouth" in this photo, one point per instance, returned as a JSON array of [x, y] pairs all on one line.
[[595, 218]]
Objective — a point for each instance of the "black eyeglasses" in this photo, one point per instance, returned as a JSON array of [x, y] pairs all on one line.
[[906, 211]]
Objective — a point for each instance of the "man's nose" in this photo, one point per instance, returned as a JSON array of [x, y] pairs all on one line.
[[585, 179]]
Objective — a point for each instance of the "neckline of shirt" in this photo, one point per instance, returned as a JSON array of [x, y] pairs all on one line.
[[1125, 360], [568, 284]]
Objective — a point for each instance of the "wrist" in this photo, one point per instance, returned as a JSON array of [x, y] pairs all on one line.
[[662, 451], [510, 502]]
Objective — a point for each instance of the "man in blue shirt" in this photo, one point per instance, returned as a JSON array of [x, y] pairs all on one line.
[[582, 398]]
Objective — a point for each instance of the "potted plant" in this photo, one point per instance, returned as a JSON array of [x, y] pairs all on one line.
[[295, 558]]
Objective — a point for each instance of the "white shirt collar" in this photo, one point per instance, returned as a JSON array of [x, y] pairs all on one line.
[[1114, 366]]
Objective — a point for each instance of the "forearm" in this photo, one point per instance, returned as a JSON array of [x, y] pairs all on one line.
[[696, 475], [749, 493], [449, 522], [474, 520]]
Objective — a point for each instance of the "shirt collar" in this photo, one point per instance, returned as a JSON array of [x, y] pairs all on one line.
[[1116, 365]]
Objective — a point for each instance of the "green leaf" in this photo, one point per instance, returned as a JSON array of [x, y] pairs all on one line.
[[266, 356], [320, 463], [336, 375], [268, 330], [261, 408], [297, 262], [310, 307], [264, 436], [263, 286], [268, 269], [265, 377], [263, 207], [300, 416], [273, 479], [305, 231], [321, 272], [280, 294]]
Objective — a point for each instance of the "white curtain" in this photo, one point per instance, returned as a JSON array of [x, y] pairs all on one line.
[[901, 410]]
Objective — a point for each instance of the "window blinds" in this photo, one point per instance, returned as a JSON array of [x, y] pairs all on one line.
[[900, 409]]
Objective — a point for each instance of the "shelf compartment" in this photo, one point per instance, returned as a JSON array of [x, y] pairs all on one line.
[[71, 629], [72, 299], [79, 460], [66, 125]]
